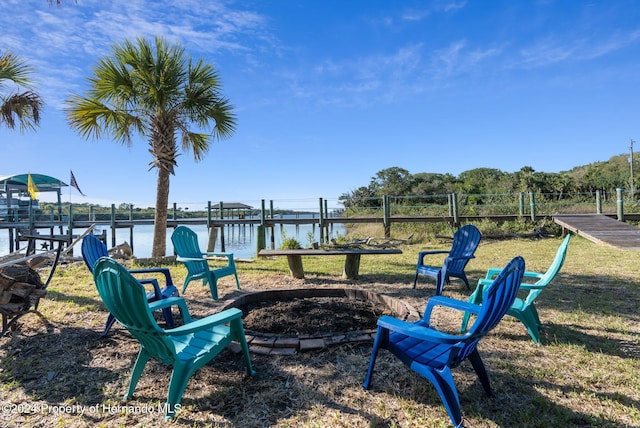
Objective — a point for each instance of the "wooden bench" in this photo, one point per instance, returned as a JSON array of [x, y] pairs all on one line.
[[351, 263]]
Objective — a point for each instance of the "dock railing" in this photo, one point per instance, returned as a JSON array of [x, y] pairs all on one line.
[[453, 208]]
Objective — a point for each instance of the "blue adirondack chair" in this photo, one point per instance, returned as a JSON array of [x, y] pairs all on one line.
[[93, 249], [524, 309], [186, 348], [185, 243], [432, 354], [465, 241]]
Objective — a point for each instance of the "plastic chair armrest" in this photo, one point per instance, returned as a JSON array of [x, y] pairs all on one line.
[[460, 257], [418, 331], [524, 286], [422, 254], [223, 317], [492, 272], [156, 288], [190, 259], [529, 274], [449, 303], [164, 271], [229, 256], [170, 301]]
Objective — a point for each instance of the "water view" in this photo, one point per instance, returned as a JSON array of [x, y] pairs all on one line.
[[239, 239]]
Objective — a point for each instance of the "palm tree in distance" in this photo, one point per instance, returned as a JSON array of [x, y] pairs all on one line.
[[18, 108], [159, 93]]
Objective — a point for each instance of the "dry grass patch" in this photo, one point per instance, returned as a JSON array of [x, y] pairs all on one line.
[[585, 373]]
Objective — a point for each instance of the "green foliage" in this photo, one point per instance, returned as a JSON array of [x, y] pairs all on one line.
[[605, 177], [290, 244]]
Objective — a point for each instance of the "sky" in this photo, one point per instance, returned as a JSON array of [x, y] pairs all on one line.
[[328, 93]]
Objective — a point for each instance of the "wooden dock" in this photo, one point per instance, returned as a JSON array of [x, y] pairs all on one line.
[[602, 229]]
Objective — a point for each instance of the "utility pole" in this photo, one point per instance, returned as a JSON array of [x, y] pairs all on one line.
[[633, 189]]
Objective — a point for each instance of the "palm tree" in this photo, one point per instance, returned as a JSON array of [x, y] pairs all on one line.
[[159, 93], [21, 108]]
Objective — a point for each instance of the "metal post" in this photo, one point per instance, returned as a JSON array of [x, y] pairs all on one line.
[[598, 202]]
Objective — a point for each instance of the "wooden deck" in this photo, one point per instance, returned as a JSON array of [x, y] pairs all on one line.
[[601, 229]]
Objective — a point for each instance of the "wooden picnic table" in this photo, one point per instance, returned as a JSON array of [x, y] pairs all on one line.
[[351, 263]]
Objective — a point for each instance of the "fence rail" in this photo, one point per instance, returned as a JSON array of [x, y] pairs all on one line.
[[453, 208]]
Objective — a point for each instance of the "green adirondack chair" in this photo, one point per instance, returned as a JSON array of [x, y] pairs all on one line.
[[186, 348], [185, 242], [524, 309]]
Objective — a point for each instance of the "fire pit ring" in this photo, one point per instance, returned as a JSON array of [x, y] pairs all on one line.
[[269, 343]]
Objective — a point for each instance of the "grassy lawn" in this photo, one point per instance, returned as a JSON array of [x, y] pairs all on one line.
[[586, 372]]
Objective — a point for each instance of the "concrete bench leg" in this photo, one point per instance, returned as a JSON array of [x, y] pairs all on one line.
[[295, 266], [351, 266]]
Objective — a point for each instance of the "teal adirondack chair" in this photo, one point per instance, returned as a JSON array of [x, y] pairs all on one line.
[[432, 353], [465, 241], [93, 249], [186, 348], [524, 309], [185, 243]]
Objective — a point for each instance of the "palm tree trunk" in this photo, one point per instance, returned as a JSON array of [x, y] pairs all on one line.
[[160, 219]]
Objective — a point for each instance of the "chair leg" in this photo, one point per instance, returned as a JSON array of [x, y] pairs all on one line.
[[110, 321], [178, 383], [439, 284], [168, 317], [374, 354], [141, 361], [184, 287], [475, 298], [237, 331], [466, 281], [480, 370], [529, 320], [237, 281], [415, 281], [213, 287], [442, 380]]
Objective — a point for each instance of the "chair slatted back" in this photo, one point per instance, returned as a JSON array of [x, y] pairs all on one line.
[[126, 299], [185, 242], [498, 298], [465, 241], [553, 270], [92, 249]]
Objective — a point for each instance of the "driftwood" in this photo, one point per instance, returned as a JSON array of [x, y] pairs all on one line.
[[122, 251], [537, 233], [371, 242]]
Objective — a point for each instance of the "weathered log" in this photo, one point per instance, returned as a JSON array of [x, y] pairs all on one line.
[[295, 266], [351, 266]]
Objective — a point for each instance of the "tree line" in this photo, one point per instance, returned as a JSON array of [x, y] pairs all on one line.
[[581, 181]]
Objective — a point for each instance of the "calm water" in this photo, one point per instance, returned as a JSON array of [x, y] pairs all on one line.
[[239, 240]]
